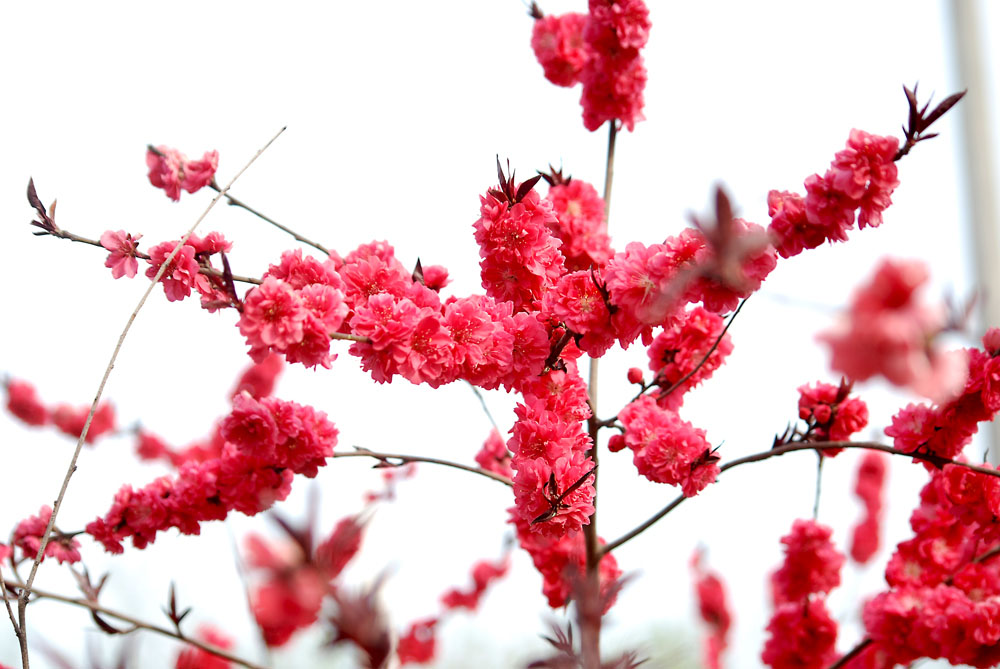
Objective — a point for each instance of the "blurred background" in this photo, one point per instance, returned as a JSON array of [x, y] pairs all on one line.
[[395, 113]]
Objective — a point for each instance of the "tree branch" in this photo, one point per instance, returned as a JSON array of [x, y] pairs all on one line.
[[404, 459], [242, 205], [134, 622], [22, 601], [935, 460]]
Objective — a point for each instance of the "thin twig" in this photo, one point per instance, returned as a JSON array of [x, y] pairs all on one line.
[[242, 205], [936, 460], [486, 409], [403, 459], [135, 623], [590, 624], [609, 168], [853, 653], [819, 483], [350, 337], [718, 340], [23, 599], [208, 271]]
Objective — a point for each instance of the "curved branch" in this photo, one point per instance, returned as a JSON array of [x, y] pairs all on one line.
[[242, 205], [22, 601], [404, 459], [935, 460], [135, 623], [66, 234]]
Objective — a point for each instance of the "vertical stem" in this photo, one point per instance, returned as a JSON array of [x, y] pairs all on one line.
[[609, 169], [589, 609], [819, 483]]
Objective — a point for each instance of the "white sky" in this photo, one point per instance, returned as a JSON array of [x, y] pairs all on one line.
[[395, 112]]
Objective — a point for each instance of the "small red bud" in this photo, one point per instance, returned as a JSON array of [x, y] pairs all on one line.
[[635, 376], [616, 443]]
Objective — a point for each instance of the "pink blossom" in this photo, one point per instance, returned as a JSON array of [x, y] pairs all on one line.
[[887, 332], [577, 301], [866, 172], [560, 48], [580, 224], [193, 657], [802, 636], [298, 271], [520, 256], [812, 563], [273, 441], [170, 170], [830, 414], [273, 315], [494, 456], [667, 449], [714, 609], [182, 273], [23, 402], [419, 643], [28, 537], [868, 487], [680, 349], [70, 420], [614, 76], [121, 260]]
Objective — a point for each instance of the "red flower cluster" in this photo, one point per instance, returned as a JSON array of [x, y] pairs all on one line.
[[28, 537], [665, 448], [862, 176], [185, 269], [294, 311], [601, 50], [266, 443], [122, 259], [418, 644], [560, 48], [887, 332], [296, 579], [714, 610], [23, 403], [868, 487], [678, 351], [494, 456], [553, 493], [170, 170], [946, 429], [520, 257], [580, 224], [944, 599], [614, 76], [412, 333], [802, 632], [830, 414], [193, 657], [649, 285]]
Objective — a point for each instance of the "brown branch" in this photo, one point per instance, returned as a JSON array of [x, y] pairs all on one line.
[[404, 459], [350, 337], [208, 271], [22, 601], [853, 653], [935, 460], [242, 205], [134, 622]]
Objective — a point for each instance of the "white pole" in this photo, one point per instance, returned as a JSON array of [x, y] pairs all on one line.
[[977, 146]]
